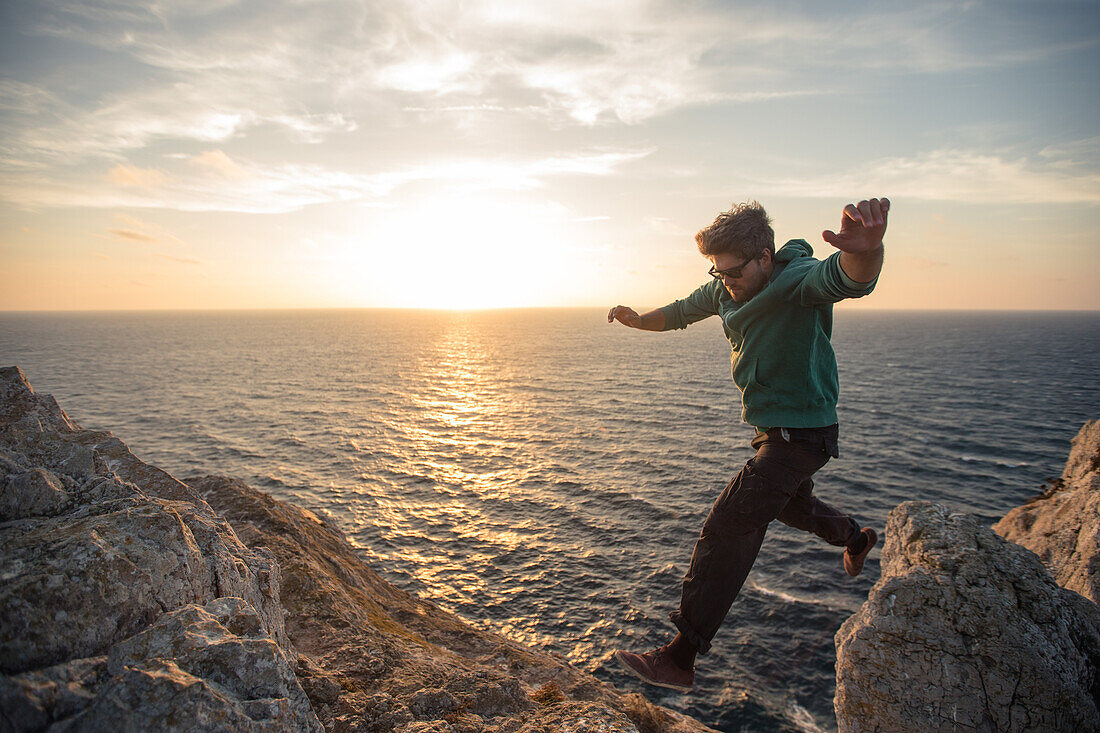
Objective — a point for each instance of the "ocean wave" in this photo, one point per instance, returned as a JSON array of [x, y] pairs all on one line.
[[1002, 462]]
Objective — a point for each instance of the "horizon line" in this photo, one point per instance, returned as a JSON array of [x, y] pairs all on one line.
[[262, 309]]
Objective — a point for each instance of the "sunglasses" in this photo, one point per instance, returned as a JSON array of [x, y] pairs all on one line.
[[732, 273]]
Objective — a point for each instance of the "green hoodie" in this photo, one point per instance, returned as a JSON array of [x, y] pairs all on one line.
[[782, 360]]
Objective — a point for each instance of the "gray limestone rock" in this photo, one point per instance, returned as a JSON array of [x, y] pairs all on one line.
[[95, 545], [20, 407], [965, 631], [33, 493], [76, 587], [33, 700], [160, 696], [100, 555], [223, 645], [196, 668], [1062, 526]]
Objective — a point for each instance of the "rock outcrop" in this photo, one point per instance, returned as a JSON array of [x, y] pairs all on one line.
[[373, 655], [1062, 526], [966, 631], [125, 599], [133, 601]]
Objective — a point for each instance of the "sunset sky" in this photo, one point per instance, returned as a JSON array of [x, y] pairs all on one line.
[[221, 154]]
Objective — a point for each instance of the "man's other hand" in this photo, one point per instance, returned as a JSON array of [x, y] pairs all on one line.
[[624, 315], [862, 227]]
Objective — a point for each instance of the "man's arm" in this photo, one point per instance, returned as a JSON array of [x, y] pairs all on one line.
[[652, 321], [862, 227]]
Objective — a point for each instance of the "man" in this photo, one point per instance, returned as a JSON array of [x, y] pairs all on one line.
[[776, 310]]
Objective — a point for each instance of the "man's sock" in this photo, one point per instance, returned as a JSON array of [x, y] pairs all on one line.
[[859, 544], [682, 652]]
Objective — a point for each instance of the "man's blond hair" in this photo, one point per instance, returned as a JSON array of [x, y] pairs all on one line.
[[744, 230]]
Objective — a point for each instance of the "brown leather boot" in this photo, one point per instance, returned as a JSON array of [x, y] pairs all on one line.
[[657, 668], [853, 564]]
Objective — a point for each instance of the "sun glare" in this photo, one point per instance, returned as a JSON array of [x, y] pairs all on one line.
[[461, 253]]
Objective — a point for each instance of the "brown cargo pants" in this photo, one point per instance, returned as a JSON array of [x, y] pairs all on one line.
[[776, 483]]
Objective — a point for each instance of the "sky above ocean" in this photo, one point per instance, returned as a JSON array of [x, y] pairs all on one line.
[[221, 154]]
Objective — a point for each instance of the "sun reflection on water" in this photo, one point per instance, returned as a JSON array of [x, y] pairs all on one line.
[[459, 429]]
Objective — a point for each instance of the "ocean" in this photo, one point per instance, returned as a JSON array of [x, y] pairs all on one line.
[[545, 474]]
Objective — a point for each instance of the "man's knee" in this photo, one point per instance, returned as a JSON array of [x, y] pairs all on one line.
[[751, 501]]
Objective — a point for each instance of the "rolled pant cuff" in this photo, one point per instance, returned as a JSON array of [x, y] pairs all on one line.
[[856, 532], [702, 646]]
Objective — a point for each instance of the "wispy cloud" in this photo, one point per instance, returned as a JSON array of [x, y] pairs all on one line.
[[213, 181], [957, 175], [215, 69], [218, 163], [133, 236], [218, 76], [136, 230], [131, 175]]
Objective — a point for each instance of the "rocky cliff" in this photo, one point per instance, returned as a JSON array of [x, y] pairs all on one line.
[[131, 600], [1062, 526], [967, 631]]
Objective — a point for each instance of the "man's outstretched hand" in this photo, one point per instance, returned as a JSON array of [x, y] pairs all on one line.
[[624, 315], [652, 321], [862, 227]]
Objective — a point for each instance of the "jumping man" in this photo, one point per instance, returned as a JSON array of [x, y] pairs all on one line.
[[777, 312]]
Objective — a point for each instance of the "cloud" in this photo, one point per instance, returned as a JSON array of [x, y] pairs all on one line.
[[200, 81], [314, 128], [130, 175], [213, 181], [135, 230], [27, 99], [133, 236], [216, 69], [444, 73], [956, 175], [218, 163]]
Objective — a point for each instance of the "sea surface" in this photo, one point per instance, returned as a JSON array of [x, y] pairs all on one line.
[[545, 474]]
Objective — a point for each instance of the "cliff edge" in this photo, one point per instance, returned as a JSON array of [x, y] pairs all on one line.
[[1062, 526], [131, 600], [968, 631]]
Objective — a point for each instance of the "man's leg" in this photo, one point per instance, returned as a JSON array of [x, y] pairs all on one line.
[[733, 532], [724, 554], [808, 513]]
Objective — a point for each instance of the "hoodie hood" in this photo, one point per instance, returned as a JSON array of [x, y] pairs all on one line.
[[792, 250]]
